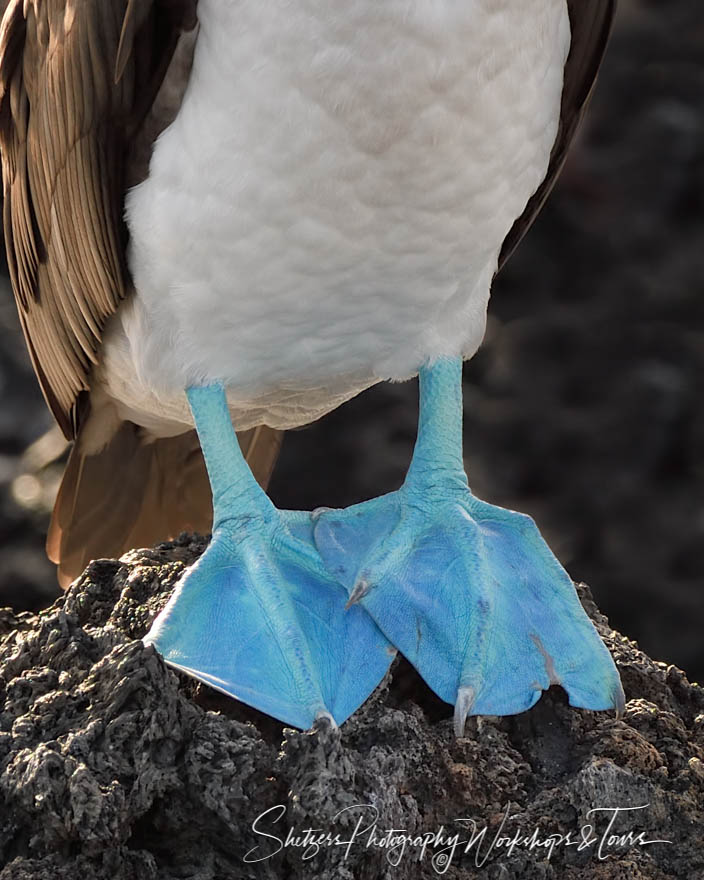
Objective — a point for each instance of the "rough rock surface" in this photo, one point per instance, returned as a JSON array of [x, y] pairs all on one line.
[[583, 407], [113, 766]]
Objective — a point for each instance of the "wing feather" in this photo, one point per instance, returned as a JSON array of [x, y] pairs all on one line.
[[76, 80], [591, 22]]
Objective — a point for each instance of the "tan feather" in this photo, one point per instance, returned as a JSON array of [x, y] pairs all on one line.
[[135, 494]]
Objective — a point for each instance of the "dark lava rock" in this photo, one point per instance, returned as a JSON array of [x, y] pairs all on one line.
[[114, 766]]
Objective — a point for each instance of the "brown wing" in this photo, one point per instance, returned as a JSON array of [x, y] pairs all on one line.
[[76, 79], [591, 22]]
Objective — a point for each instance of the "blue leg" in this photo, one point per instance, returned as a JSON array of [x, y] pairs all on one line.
[[469, 592], [258, 616]]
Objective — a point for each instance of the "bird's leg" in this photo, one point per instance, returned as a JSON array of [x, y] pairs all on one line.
[[258, 616], [469, 592]]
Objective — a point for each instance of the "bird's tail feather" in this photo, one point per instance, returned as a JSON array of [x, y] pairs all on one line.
[[135, 493]]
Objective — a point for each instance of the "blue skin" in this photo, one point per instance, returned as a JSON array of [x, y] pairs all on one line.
[[298, 614], [259, 616]]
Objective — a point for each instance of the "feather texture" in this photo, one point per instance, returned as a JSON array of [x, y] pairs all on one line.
[[134, 494], [78, 82], [76, 79]]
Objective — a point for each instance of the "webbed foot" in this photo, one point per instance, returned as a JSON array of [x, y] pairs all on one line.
[[470, 593], [472, 596], [258, 616]]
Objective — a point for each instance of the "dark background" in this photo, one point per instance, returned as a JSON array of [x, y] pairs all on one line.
[[583, 406]]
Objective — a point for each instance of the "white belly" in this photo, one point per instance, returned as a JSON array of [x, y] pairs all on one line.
[[327, 209]]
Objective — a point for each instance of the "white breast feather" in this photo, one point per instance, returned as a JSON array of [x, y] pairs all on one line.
[[327, 209]]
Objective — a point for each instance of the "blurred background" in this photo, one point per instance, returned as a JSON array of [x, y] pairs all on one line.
[[583, 406]]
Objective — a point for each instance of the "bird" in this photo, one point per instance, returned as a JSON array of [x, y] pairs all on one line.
[[223, 220]]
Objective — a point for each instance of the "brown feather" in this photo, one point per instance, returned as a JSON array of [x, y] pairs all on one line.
[[591, 22], [67, 119], [135, 494]]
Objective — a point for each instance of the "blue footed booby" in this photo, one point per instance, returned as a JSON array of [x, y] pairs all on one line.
[[229, 216]]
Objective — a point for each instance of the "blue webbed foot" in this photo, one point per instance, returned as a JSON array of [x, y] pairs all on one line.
[[258, 616], [472, 596], [470, 593]]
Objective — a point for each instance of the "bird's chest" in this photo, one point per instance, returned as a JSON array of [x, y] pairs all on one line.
[[339, 175]]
